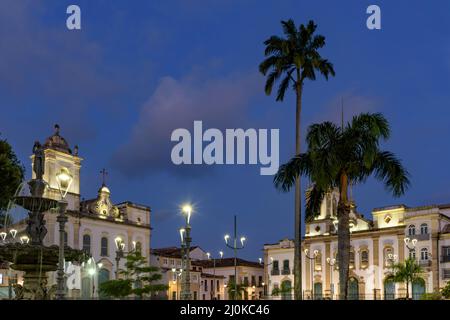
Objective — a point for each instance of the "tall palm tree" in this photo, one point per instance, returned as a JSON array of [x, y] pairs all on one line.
[[295, 59], [340, 156], [407, 272]]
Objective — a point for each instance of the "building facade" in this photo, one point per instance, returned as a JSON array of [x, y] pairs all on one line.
[[375, 245], [204, 285], [93, 225]]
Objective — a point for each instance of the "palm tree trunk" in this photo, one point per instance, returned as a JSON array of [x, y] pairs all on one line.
[[407, 289], [298, 198], [343, 238]]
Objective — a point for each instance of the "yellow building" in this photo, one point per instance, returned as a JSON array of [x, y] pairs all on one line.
[[375, 245]]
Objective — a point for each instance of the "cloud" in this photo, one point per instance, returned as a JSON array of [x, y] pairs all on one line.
[[59, 72], [219, 102], [354, 103]]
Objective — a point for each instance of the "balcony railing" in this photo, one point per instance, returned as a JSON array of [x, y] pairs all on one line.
[[275, 272], [420, 237], [285, 271], [425, 263]]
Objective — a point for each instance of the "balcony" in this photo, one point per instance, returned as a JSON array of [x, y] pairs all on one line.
[[445, 258], [425, 263], [420, 237], [275, 272], [285, 271]]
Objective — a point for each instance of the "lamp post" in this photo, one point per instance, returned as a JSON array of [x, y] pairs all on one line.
[[213, 293], [120, 246], [331, 262], [411, 245], [235, 248], [64, 180], [267, 264], [177, 274], [5, 239], [186, 248], [311, 258]]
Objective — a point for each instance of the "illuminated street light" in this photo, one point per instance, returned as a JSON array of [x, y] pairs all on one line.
[[64, 180]]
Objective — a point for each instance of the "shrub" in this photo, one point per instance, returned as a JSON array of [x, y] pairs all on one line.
[[446, 291], [431, 296]]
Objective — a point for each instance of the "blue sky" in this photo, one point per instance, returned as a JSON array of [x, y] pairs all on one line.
[[137, 70]]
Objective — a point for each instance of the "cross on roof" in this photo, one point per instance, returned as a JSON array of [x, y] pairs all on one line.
[[104, 174]]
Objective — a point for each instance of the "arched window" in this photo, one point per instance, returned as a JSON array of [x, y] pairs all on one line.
[[412, 253], [318, 262], [87, 243], [139, 247], [104, 246], [387, 255], [364, 258], [424, 254], [352, 259], [423, 228], [412, 230]]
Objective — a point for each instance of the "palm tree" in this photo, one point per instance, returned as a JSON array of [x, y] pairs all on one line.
[[337, 157], [407, 272], [295, 58], [236, 291]]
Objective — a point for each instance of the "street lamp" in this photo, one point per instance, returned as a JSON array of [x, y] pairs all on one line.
[[186, 239], [64, 180], [411, 245], [267, 264], [213, 293], [235, 248], [120, 246], [177, 274], [331, 262], [11, 239], [311, 258]]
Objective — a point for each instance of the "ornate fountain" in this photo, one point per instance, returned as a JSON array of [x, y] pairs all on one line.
[[32, 257]]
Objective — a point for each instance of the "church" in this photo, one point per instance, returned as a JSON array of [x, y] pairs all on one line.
[[96, 225]]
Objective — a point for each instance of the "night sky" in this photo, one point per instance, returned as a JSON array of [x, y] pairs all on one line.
[[139, 69]]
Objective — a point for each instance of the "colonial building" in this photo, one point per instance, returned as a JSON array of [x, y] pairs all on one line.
[[205, 285], [375, 245], [249, 275], [93, 225]]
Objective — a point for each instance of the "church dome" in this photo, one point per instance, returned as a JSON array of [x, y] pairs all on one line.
[[56, 142]]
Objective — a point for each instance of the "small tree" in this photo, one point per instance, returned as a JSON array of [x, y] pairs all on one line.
[[139, 279], [446, 291], [407, 272], [236, 291], [11, 175]]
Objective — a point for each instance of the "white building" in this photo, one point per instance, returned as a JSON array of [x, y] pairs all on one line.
[[93, 225], [374, 246]]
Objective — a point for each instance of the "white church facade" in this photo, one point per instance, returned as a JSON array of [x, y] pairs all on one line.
[[93, 225]]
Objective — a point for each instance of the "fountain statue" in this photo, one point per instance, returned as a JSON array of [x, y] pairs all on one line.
[[33, 258]]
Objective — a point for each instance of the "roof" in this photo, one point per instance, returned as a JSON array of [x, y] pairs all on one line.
[[228, 262], [170, 252], [209, 275], [56, 142], [446, 229]]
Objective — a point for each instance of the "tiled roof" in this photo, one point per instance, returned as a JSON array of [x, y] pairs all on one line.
[[171, 252], [228, 262]]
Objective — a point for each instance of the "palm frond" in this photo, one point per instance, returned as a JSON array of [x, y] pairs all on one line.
[[390, 170], [287, 173], [314, 197]]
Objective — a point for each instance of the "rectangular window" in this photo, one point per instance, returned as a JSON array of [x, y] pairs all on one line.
[[246, 281], [195, 295], [260, 280], [165, 261], [231, 279], [212, 284], [104, 247], [204, 297], [174, 295], [253, 281], [446, 273], [172, 262], [206, 286]]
